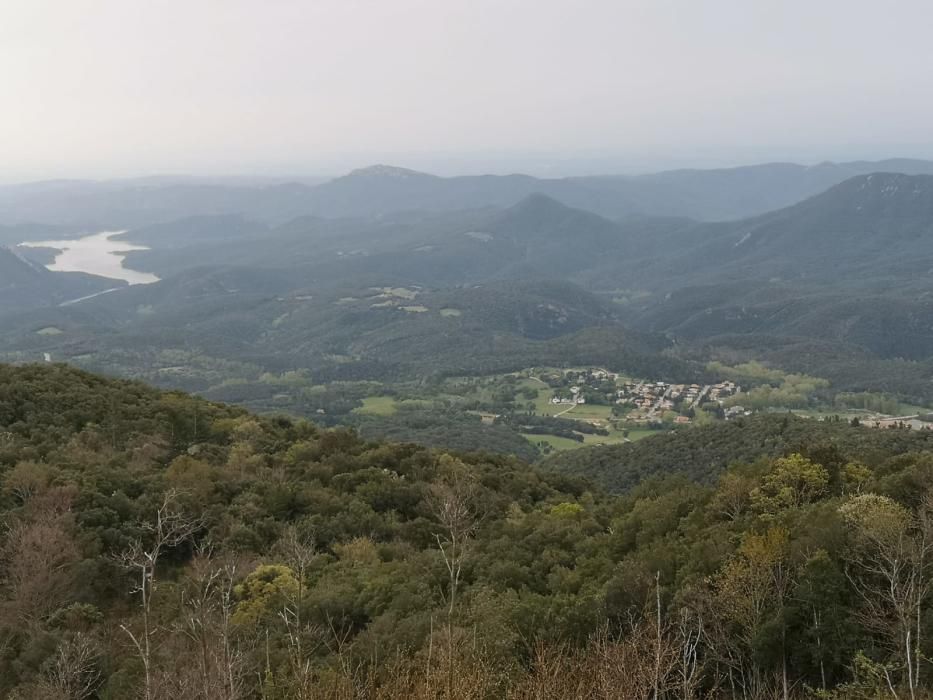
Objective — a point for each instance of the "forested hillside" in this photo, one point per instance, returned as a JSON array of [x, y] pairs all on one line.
[[834, 286], [848, 266], [26, 285], [236, 323], [702, 454], [161, 546]]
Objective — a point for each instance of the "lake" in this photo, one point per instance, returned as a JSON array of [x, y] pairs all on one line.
[[97, 254]]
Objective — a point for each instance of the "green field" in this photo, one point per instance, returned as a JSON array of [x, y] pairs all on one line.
[[561, 443], [481, 395], [389, 405], [378, 406], [641, 433], [556, 443]]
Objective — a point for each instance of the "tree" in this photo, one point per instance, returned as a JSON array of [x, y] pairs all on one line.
[[26, 479], [36, 554], [207, 623], [454, 504], [792, 482], [169, 528], [734, 494], [264, 593], [750, 592], [889, 565], [298, 551], [74, 672]]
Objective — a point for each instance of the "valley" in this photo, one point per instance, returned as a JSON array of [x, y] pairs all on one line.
[[416, 325], [622, 414], [525, 350]]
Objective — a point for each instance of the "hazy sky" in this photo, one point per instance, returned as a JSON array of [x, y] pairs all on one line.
[[125, 87]]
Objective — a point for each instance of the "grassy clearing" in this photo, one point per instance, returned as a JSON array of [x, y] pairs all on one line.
[[907, 409], [556, 443], [377, 406], [561, 444], [590, 412], [613, 438], [641, 433], [400, 292]]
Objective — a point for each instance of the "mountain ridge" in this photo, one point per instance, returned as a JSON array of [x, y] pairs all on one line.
[[710, 195]]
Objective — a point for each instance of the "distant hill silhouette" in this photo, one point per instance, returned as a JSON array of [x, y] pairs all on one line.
[[708, 195]]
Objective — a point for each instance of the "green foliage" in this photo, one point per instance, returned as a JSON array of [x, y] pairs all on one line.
[[703, 452], [305, 549], [264, 593], [792, 482]]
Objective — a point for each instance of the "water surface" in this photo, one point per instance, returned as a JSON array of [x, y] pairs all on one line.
[[97, 254]]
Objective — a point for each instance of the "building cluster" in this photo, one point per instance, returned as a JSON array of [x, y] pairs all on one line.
[[576, 397], [651, 399], [723, 390], [902, 422]]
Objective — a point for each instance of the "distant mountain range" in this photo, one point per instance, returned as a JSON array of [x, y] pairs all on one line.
[[870, 227], [838, 284], [707, 195], [853, 265]]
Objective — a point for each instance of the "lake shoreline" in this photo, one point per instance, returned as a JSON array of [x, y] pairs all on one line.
[[96, 254]]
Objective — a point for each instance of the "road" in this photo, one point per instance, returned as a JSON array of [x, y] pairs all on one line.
[[657, 404], [701, 395]]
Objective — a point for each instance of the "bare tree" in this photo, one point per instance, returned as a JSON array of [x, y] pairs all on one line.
[[74, 672], [650, 659], [35, 553], [168, 529], [208, 608], [453, 501], [298, 552], [71, 673], [689, 635]]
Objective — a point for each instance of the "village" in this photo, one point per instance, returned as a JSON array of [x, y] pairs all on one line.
[[650, 400], [641, 402], [653, 403]]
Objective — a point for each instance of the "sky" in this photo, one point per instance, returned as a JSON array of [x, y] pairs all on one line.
[[115, 88]]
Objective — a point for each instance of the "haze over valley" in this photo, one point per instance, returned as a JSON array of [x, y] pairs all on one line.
[[489, 279], [466, 350]]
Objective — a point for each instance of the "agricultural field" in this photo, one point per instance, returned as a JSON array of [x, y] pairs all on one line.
[[541, 410]]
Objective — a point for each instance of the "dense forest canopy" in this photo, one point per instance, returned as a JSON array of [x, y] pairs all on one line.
[[702, 453], [158, 545]]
